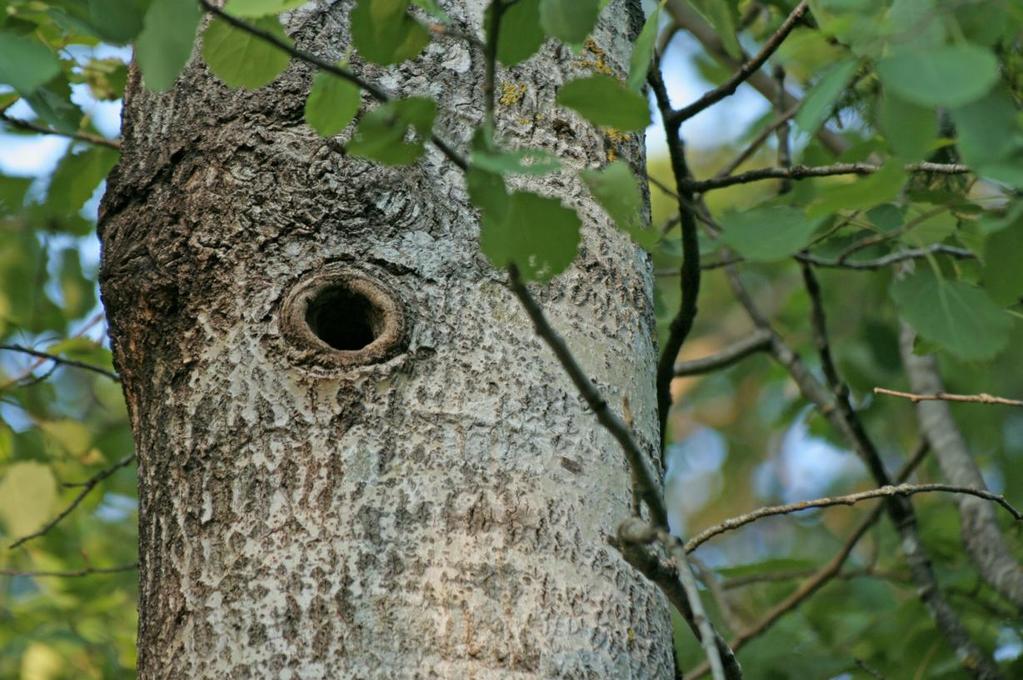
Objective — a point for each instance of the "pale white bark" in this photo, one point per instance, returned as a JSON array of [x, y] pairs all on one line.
[[979, 526], [441, 513]]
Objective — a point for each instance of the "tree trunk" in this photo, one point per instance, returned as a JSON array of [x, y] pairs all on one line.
[[426, 496]]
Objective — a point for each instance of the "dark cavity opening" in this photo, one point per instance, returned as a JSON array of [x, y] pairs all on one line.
[[344, 319]]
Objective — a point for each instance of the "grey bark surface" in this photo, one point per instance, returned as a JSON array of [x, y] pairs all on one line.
[[978, 521], [439, 513]]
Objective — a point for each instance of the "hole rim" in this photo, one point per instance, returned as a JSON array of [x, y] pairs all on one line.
[[309, 349]]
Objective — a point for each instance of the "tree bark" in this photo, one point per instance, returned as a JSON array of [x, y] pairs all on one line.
[[435, 505], [978, 522]]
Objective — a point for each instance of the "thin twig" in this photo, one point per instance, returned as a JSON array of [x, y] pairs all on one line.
[[87, 571], [490, 60], [757, 142], [644, 477], [887, 260], [758, 341], [849, 499], [86, 488], [373, 90], [805, 171], [745, 71], [821, 577], [32, 126], [62, 361], [982, 398]]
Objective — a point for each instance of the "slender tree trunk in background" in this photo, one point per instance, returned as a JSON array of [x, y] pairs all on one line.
[[434, 505]]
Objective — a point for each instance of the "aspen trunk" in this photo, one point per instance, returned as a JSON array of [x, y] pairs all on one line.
[[356, 460]]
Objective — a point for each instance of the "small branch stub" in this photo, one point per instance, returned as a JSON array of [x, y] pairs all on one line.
[[341, 317]]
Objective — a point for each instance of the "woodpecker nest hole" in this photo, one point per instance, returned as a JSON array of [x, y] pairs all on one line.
[[343, 317]]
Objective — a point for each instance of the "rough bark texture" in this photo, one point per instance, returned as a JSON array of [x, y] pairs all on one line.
[[441, 512], [978, 521]]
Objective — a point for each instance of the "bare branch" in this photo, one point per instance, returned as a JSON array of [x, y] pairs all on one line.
[[62, 361], [747, 69], [32, 126], [690, 274], [982, 398], [822, 576], [86, 488], [643, 476], [87, 571], [759, 341], [887, 260], [680, 586], [805, 171], [849, 499]]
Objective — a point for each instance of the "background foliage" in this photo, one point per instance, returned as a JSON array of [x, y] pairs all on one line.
[[896, 83]]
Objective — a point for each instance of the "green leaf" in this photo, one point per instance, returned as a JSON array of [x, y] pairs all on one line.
[[25, 63], [384, 33], [988, 129], [166, 41], [616, 189], [487, 191], [520, 35], [949, 75], [570, 21], [261, 8], [767, 234], [52, 102], [1002, 273], [909, 129], [643, 50], [881, 187], [606, 101], [536, 233], [519, 161], [27, 493], [916, 24], [332, 104], [954, 315], [241, 59], [933, 229], [381, 133], [76, 178], [12, 194], [117, 21], [719, 14], [820, 100]]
